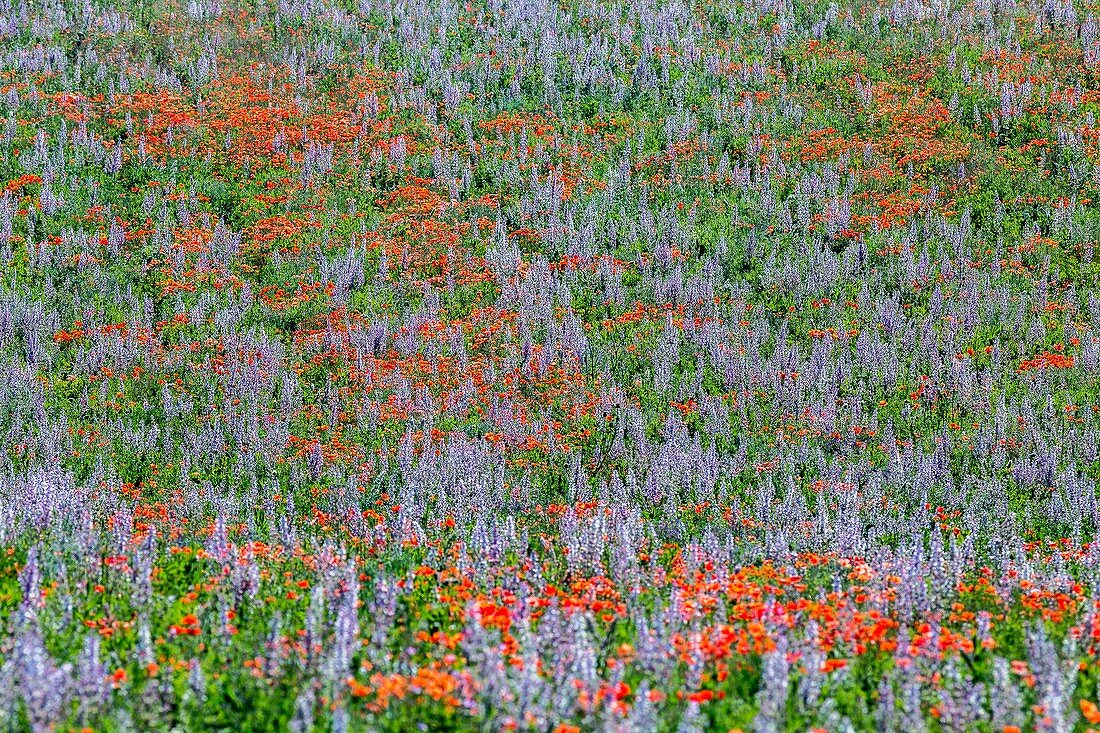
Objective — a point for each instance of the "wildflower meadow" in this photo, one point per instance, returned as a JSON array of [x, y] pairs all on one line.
[[625, 366]]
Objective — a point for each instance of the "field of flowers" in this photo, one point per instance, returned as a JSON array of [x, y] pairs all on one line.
[[549, 365]]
